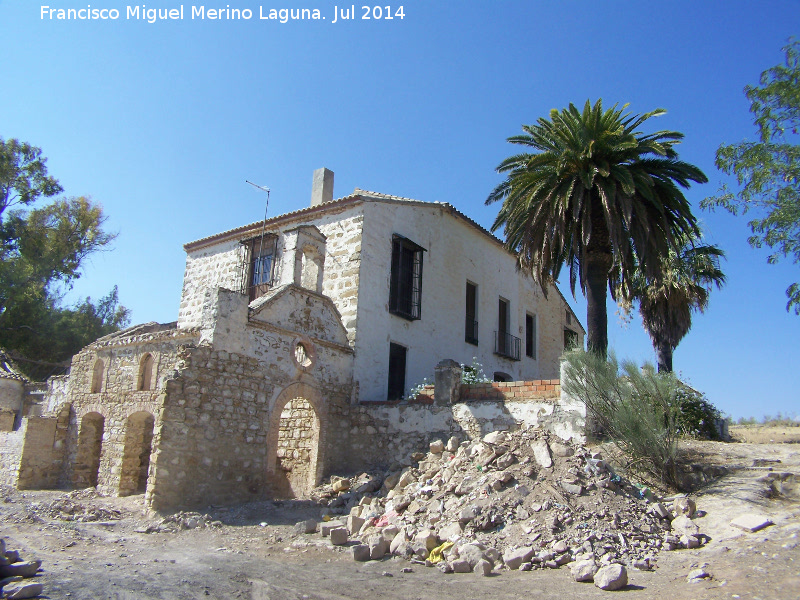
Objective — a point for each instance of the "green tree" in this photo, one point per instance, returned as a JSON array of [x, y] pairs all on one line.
[[767, 172], [597, 195], [666, 302], [42, 249]]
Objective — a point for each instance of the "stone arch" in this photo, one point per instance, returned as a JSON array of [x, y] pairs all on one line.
[[145, 373], [295, 442], [136, 453], [97, 376], [90, 447], [500, 376]]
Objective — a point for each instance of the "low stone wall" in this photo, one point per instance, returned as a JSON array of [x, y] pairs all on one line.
[[10, 454]]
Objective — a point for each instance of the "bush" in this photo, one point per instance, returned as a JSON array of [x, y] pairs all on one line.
[[696, 416], [637, 408]]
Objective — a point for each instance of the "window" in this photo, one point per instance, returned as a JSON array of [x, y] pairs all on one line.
[[505, 344], [530, 336], [570, 339], [262, 252], [145, 373], [405, 288], [397, 371], [97, 376], [471, 323], [500, 376]]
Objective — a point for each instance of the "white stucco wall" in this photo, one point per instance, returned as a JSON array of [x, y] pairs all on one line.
[[456, 253]]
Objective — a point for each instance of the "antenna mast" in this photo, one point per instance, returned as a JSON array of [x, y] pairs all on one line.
[[258, 261]]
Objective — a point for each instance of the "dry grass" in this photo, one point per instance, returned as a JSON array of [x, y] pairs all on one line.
[[765, 434]]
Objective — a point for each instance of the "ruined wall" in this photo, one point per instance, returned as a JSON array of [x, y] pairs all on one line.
[[11, 443], [221, 421], [387, 433]]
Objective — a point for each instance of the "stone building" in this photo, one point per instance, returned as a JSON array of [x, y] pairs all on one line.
[[295, 340]]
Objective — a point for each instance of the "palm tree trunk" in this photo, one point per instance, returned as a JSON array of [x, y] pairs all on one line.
[[663, 357], [598, 265]]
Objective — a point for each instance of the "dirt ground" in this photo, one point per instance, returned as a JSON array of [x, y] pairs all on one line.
[[254, 554]]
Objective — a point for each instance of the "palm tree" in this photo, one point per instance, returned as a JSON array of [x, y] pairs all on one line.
[[667, 301], [598, 195]]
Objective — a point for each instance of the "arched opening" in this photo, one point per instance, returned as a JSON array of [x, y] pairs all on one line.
[[97, 376], [145, 373], [136, 455], [297, 448], [500, 376], [90, 445]]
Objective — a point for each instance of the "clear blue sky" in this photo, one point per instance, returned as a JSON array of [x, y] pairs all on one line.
[[161, 123]]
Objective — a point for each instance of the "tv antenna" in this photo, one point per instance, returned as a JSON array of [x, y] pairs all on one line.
[[258, 276]]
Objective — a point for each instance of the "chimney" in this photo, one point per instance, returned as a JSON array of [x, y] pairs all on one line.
[[322, 187]]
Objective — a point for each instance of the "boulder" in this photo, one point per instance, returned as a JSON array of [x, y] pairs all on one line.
[[683, 525], [452, 444], [437, 447], [341, 485], [339, 536], [561, 450], [22, 589], [684, 506], [451, 532], [354, 524], [513, 558], [378, 547], [495, 437], [26, 568], [483, 567], [541, 452], [461, 566], [308, 526], [583, 570], [611, 577], [361, 553]]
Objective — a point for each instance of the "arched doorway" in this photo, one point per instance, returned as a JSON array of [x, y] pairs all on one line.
[[136, 455], [90, 445], [294, 462]]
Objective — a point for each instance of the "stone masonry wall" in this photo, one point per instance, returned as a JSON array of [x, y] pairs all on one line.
[[11, 443]]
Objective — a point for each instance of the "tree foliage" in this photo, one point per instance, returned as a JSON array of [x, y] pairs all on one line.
[[767, 172], [666, 302], [42, 249], [597, 195]]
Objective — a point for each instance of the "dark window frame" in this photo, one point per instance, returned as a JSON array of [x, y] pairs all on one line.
[[471, 314], [398, 362], [405, 280], [261, 253], [530, 336]]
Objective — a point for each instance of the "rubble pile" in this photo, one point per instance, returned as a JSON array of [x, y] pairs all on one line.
[[18, 577], [526, 500], [179, 521], [68, 508]]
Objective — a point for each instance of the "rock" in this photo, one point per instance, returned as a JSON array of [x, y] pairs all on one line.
[[513, 558], [326, 527], [378, 547], [697, 575], [437, 447], [391, 481], [583, 570], [495, 437], [526, 566], [445, 567], [406, 478], [751, 522], [368, 484], [452, 444], [644, 564], [389, 532], [506, 460], [21, 589], [341, 485], [473, 554], [561, 450], [483, 567], [339, 536], [309, 526], [469, 513], [660, 511], [690, 541], [427, 538], [564, 559], [684, 506], [560, 546], [400, 538], [612, 577], [541, 452], [572, 488], [354, 524], [26, 568], [461, 566], [2, 546], [493, 555], [361, 553], [450, 532], [683, 525]]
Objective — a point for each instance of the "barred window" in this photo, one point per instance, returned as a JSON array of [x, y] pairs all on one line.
[[405, 289], [262, 252]]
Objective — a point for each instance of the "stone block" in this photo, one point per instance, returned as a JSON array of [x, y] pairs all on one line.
[[354, 524], [303, 527], [483, 567], [361, 553], [461, 566], [611, 577], [21, 589], [339, 536], [751, 522], [583, 570], [513, 558], [541, 452], [326, 528]]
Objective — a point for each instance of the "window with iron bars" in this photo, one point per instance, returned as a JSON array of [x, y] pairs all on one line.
[[405, 288], [258, 265]]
